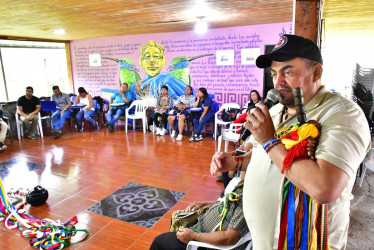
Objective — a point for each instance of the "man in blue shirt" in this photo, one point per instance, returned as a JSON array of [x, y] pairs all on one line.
[[63, 104], [123, 96]]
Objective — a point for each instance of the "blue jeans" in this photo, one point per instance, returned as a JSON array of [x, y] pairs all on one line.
[[59, 124], [87, 116], [200, 125], [114, 115]]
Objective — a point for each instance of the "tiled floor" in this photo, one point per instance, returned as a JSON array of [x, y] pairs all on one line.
[[138, 204], [81, 169]]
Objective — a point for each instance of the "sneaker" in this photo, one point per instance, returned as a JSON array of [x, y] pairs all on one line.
[[179, 137], [172, 133], [163, 132], [35, 134], [96, 127], [193, 138], [56, 132], [110, 128], [158, 131], [80, 128], [219, 178], [199, 138], [32, 137], [2, 146]]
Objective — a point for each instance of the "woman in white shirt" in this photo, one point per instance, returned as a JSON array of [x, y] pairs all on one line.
[[183, 103], [87, 111]]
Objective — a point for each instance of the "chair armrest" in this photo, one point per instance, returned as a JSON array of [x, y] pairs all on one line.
[[195, 244], [232, 125], [232, 129]]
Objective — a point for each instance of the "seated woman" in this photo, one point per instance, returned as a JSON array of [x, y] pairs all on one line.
[[183, 103], [210, 227], [87, 111], [164, 104], [254, 98], [202, 101]]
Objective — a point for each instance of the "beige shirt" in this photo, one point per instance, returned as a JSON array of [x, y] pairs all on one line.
[[344, 141]]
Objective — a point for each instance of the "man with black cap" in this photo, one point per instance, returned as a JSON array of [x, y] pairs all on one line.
[[343, 143]]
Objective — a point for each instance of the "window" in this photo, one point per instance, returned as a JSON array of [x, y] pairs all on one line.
[[40, 65]]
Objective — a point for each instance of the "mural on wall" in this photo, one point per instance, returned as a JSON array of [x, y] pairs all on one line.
[[125, 55], [152, 60]]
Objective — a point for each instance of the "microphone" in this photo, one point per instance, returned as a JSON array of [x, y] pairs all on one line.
[[272, 97], [299, 104]]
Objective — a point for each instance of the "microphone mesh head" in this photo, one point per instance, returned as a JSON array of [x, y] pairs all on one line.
[[273, 95]]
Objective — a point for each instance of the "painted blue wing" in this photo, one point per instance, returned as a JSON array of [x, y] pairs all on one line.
[[176, 86]]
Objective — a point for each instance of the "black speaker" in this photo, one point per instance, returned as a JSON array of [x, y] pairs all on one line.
[[37, 197]]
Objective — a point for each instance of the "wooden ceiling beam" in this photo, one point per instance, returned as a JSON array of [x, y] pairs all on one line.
[[306, 18]]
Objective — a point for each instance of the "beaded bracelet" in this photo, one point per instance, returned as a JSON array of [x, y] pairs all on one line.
[[270, 142], [272, 146]]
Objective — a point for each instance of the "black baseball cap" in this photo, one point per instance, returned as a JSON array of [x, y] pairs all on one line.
[[289, 47]]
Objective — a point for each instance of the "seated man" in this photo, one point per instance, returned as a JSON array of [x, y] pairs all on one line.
[[210, 226], [63, 104], [3, 131], [114, 113], [28, 107]]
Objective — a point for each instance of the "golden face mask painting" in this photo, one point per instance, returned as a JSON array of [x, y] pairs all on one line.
[[152, 58]]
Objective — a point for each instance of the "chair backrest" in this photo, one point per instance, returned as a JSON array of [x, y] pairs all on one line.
[[72, 98], [140, 106], [227, 106], [48, 105], [215, 106], [211, 96], [96, 105]]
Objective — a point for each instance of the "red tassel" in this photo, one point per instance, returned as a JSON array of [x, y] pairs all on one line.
[[298, 151], [283, 227]]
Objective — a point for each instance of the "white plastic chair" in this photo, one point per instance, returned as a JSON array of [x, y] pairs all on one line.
[[229, 134], [140, 113], [20, 126], [217, 121], [194, 245], [50, 107]]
